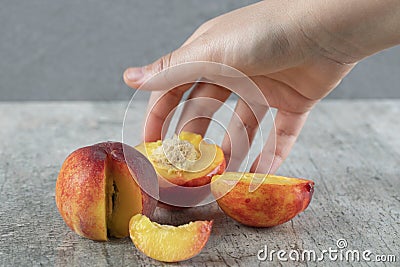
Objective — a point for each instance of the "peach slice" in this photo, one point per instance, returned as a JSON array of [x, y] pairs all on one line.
[[277, 200], [96, 193], [169, 243], [184, 185]]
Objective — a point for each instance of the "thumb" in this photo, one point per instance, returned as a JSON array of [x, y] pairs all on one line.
[[135, 77]]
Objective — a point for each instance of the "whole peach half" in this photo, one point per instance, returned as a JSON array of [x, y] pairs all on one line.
[[100, 187]]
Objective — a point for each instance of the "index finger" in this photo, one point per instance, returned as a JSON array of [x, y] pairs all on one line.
[[288, 126], [159, 109]]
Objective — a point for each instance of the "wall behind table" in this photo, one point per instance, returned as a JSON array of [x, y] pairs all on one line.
[[77, 50]]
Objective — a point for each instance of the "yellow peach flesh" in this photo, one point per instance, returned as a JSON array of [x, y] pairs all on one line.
[[124, 200], [211, 157], [169, 243]]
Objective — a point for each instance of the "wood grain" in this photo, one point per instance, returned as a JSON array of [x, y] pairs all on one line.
[[351, 149]]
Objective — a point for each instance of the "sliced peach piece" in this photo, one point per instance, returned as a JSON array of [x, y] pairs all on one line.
[[177, 184], [169, 243], [211, 159], [277, 199]]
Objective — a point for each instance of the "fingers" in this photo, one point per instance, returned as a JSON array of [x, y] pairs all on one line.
[[160, 110], [200, 106], [163, 78], [161, 105], [279, 143], [241, 131]]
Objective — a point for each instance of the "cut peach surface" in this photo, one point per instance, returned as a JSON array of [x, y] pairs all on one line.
[[211, 161], [277, 199], [169, 243], [184, 183]]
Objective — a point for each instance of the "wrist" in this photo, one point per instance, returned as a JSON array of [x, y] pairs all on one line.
[[348, 31]]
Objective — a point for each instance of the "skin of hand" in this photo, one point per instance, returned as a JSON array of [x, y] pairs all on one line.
[[295, 51]]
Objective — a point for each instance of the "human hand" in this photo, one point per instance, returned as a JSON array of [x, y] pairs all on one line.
[[295, 57]]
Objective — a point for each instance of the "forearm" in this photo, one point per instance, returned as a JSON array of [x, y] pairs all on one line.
[[353, 29]]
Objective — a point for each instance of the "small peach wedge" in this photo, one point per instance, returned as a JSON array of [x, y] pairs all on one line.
[[169, 243]]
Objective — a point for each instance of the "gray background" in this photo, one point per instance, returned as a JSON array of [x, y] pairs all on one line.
[[77, 50]]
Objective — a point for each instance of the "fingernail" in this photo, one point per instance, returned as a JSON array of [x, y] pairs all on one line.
[[134, 74]]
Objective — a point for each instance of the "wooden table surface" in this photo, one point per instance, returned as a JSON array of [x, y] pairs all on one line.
[[351, 149]]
